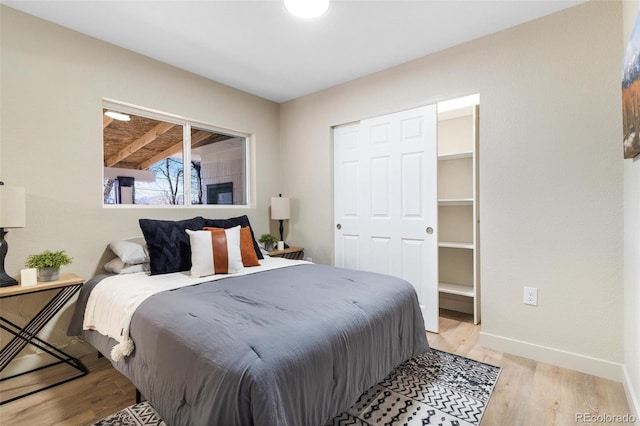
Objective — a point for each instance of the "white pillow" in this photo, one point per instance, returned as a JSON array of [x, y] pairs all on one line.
[[117, 266], [215, 251], [132, 251]]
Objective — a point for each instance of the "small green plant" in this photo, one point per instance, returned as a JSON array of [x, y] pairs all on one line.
[[268, 240], [47, 258]]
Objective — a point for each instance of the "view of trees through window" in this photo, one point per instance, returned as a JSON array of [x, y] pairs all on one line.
[[144, 162]]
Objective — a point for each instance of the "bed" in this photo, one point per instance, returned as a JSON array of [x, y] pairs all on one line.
[[284, 343]]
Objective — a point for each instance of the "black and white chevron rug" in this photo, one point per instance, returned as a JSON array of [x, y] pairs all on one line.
[[435, 388]]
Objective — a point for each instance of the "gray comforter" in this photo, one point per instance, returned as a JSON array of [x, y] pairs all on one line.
[[293, 346]]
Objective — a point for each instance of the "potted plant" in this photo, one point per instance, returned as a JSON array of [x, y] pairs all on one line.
[[269, 241], [48, 264]]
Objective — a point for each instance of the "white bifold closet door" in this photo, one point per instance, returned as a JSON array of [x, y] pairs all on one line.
[[385, 198]]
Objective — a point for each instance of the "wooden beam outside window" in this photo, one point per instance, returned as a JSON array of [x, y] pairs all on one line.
[[139, 143]]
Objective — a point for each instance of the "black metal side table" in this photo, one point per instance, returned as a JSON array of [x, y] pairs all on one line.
[[67, 286]]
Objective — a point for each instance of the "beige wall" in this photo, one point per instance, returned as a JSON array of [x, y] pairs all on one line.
[[550, 175], [632, 253], [53, 81], [550, 159]]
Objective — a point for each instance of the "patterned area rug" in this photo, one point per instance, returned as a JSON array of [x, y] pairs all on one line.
[[435, 388], [141, 414]]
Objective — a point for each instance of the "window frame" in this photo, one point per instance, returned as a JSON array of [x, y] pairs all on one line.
[[187, 124]]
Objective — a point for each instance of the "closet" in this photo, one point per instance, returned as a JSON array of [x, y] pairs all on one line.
[[405, 202], [458, 225]]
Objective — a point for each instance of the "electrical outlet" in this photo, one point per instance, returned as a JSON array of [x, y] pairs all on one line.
[[531, 296]]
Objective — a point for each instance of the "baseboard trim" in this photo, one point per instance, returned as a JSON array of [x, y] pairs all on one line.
[[572, 361], [632, 396]]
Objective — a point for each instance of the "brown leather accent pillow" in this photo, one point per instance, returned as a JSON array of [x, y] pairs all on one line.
[[249, 256], [220, 255]]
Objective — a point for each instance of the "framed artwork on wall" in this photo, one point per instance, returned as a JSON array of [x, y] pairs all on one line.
[[631, 94]]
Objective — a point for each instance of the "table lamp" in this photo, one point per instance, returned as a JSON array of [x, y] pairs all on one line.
[[280, 210], [12, 215]]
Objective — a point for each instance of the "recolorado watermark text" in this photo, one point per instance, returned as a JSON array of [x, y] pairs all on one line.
[[604, 418]]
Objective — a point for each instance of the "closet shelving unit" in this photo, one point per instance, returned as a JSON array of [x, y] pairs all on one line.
[[459, 278]]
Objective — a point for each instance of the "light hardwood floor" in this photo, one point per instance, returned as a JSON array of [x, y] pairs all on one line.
[[527, 392]]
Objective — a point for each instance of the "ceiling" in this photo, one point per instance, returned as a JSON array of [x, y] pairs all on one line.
[[258, 47]]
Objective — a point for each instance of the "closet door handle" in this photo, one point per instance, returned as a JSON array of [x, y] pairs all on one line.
[[429, 230], [339, 226]]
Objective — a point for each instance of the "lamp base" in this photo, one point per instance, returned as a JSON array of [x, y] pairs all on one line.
[[282, 233], [5, 279]]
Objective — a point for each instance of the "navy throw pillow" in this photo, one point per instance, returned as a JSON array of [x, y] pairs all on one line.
[[168, 243]]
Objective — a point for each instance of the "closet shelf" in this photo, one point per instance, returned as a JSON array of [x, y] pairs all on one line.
[[455, 202], [452, 244], [460, 290], [455, 155]]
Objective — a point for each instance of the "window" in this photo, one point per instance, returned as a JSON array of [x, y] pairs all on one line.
[[146, 154]]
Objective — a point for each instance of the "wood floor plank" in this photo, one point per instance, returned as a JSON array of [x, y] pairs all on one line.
[[552, 408], [527, 392]]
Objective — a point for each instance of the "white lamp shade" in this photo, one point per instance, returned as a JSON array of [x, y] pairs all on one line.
[[12, 207], [280, 209]]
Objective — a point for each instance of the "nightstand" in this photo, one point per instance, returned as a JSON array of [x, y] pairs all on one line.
[[296, 253], [67, 286]]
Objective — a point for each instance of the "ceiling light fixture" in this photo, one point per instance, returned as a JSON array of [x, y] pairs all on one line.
[[117, 116], [306, 8]]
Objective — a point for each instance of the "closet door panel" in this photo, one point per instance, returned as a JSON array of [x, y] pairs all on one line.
[[397, 200]]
